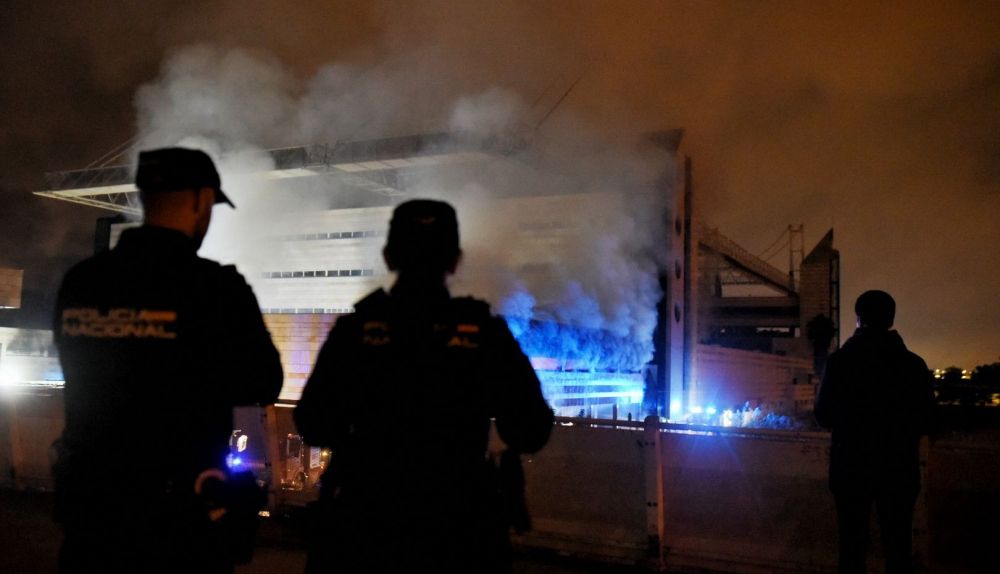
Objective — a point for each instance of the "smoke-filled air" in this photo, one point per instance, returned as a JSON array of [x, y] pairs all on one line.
[[577, 280]]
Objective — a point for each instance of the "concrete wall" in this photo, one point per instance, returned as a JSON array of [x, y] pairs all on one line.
[[962, 498], [747, 502], [30, 420], [677, 313], [685, 499], [679, 497], [819, 286], [586, 493], [728, 377], [298, 338]]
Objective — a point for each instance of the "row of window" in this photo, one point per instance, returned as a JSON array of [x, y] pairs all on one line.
[[579, 389], [584, 402], [306, 311], [333, 235], [320, 273]]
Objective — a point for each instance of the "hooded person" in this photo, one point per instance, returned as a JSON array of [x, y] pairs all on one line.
[[877, 398]]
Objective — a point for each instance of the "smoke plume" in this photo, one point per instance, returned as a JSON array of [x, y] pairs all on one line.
[[562, 226]]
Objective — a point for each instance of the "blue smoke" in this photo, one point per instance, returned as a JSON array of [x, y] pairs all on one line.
[[579, 348]]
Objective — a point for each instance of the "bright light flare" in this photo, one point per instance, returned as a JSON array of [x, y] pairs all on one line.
[[10, 374]]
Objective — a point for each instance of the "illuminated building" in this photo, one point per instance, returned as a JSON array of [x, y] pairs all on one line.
[[310, 265], [27, 356], [755, 322], [31, 384]]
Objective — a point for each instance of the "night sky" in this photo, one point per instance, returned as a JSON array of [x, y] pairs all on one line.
[[881, 122]]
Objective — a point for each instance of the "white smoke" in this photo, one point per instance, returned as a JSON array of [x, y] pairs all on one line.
[[563, 225], [234, 98]]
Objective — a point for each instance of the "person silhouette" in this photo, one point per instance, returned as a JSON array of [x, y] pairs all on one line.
[[157, 346], [877, 397], [403, 392]]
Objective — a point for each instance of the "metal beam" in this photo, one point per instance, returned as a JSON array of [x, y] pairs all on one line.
[[371, 165], [125, 202], [743, 260]]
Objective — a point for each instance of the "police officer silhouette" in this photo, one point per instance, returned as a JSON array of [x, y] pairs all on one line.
[[157, 347], [403, 392]]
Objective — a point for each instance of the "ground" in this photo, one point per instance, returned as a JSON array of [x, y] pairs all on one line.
[[30, 542]]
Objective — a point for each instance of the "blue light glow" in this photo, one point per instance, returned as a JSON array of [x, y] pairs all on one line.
[[711, 411], [675, 407], [234, 461], [594, 392], [590, 348], [697, 410]]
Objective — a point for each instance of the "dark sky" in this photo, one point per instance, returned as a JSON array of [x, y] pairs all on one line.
[[882, 122]]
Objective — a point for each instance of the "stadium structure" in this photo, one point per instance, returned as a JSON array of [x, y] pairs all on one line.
[[725, 312], [734, 333]]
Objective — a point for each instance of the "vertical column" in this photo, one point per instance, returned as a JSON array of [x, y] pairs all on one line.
[[652, 463], [691, 310], [274, 460], [921, 535]]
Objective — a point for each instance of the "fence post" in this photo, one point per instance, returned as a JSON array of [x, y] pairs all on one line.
[[652, 463], [274, 461], [921, 535]]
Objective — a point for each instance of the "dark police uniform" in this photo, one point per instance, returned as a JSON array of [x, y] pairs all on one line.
[[157, 347], [403, 392]]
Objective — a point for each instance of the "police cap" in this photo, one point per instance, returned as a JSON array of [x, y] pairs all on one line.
[[177, 169], [423, 232]]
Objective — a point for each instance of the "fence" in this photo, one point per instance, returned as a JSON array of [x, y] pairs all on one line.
[[668, 496]]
